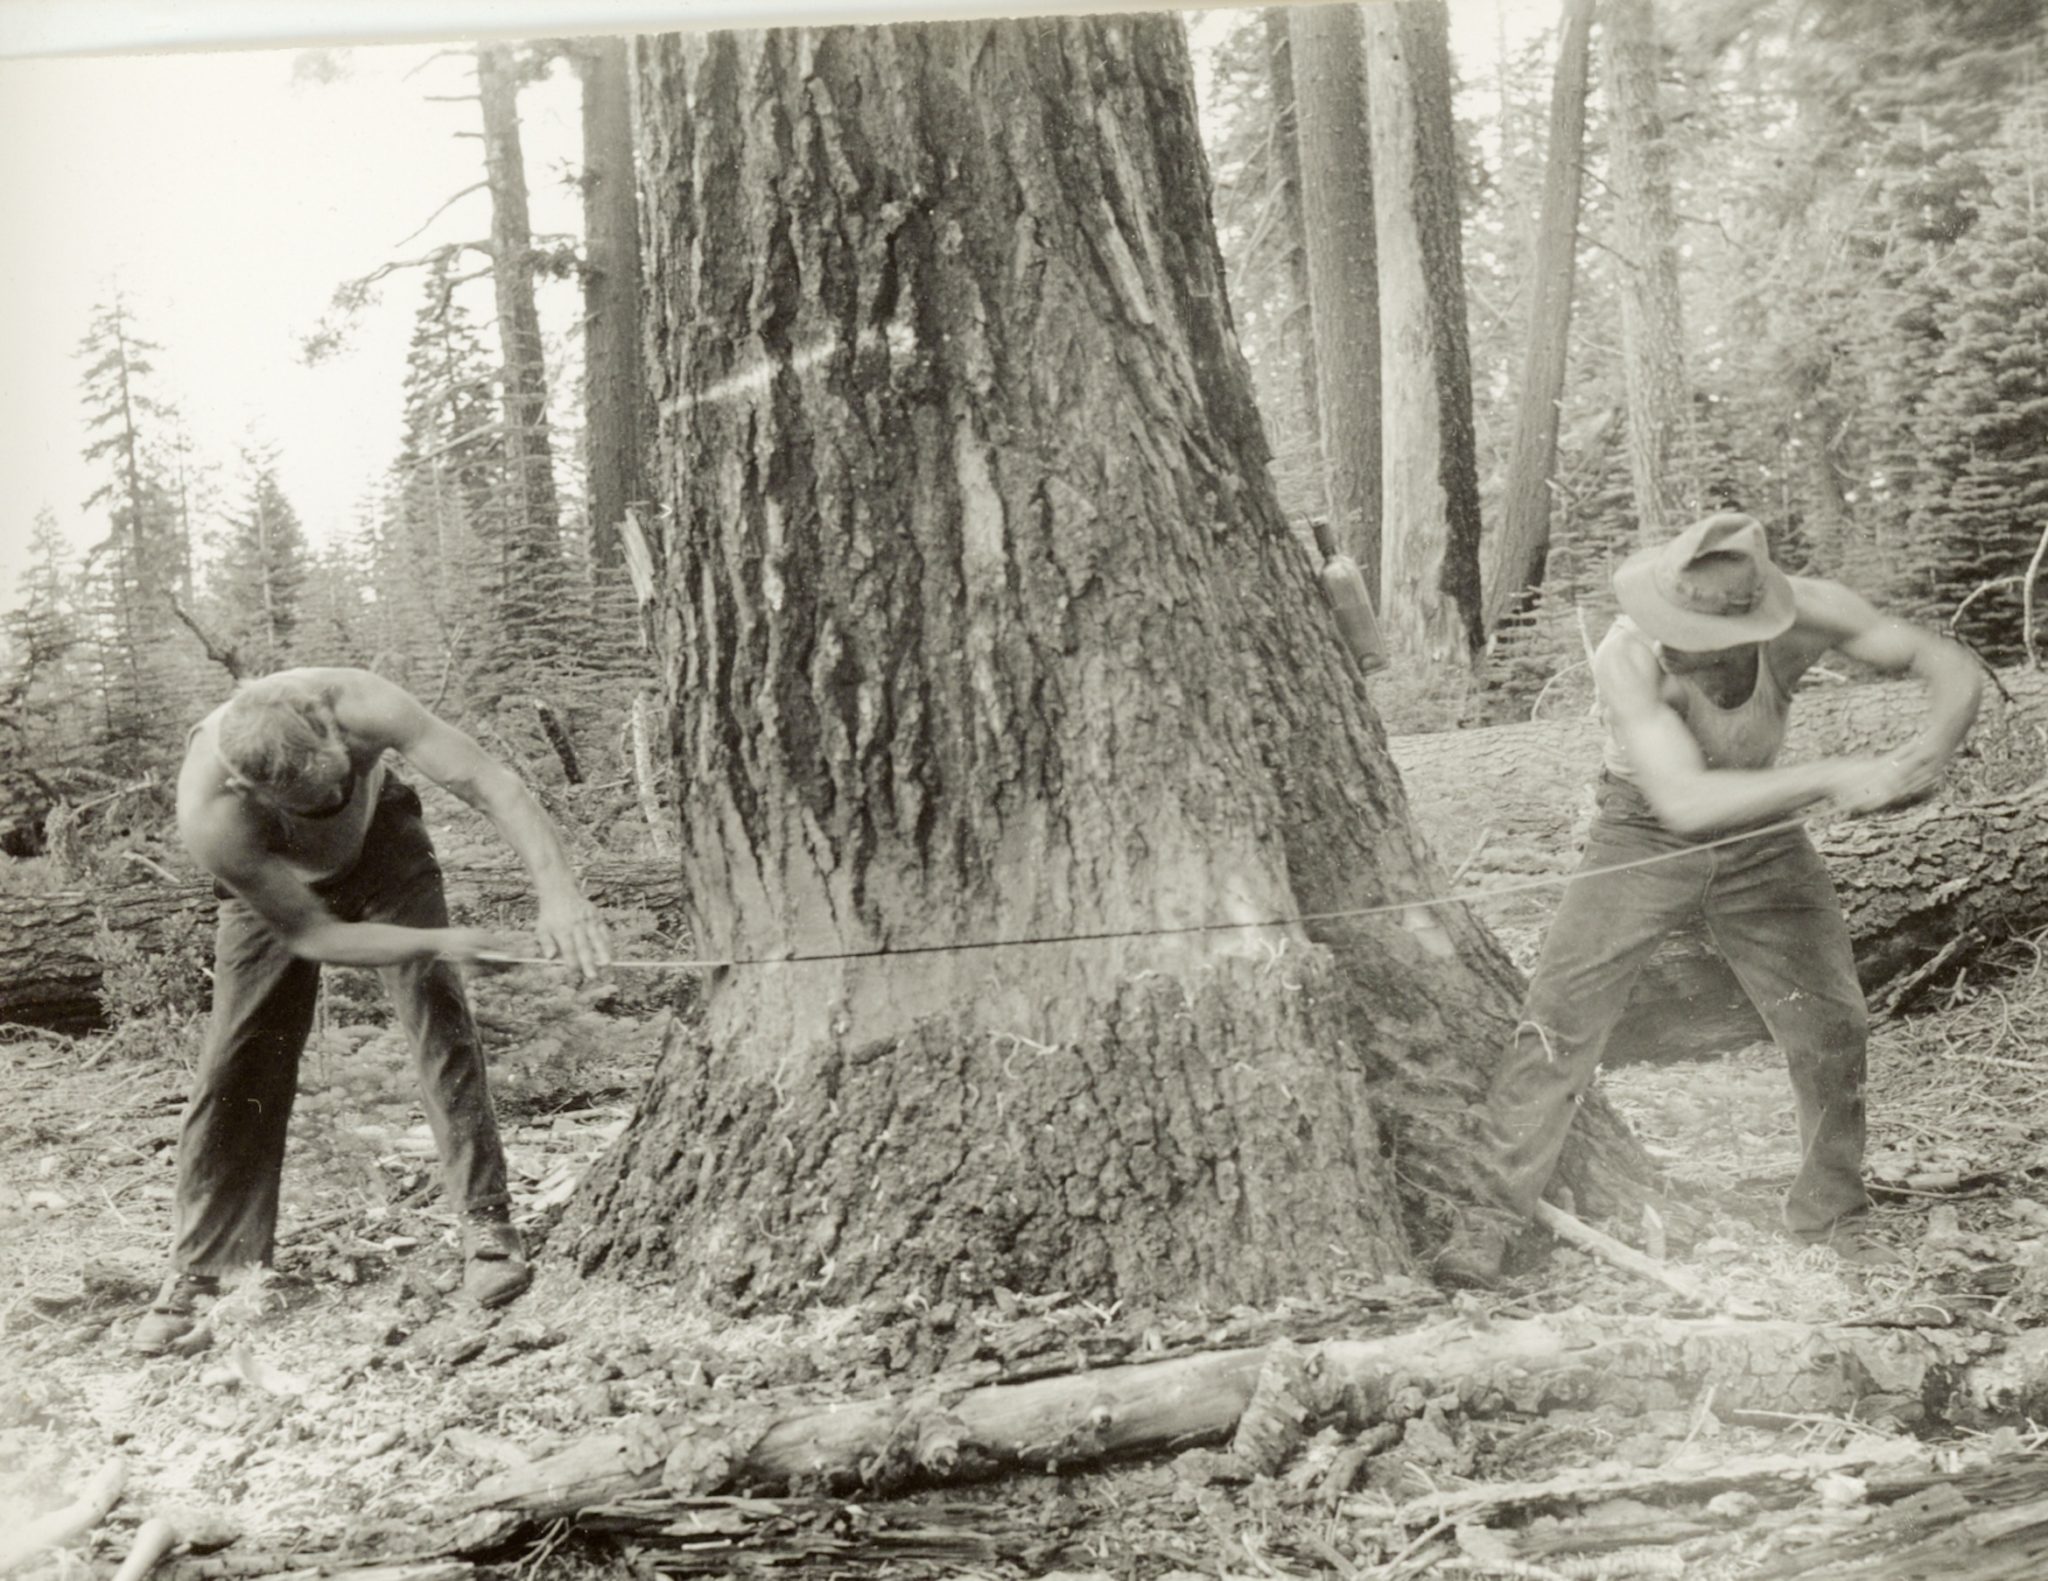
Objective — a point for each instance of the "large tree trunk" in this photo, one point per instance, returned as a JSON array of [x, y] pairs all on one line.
[[1300, 337], [1429, 556], [1663, 453], [1523, 537], [980, 622], [618, 424], [1829, 523], [1326, 43], [531, 545]]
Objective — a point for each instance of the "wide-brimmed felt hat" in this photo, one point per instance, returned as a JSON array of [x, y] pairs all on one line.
[[1712, 586]]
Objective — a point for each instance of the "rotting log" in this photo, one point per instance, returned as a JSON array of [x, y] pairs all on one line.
[[50, 961], [1932, 886], [1576, 1359]]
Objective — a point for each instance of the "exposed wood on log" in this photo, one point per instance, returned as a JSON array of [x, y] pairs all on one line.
[[66, 1524], [153, 1541], [1695, 1476], [1585, 1360], [1981, 1523]]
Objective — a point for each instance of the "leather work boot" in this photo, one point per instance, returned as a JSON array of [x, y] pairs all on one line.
[[174, 1314], [495, 1269], [1473, 1258]]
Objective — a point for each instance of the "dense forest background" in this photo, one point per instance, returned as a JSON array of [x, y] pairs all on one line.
[[1849, 197]]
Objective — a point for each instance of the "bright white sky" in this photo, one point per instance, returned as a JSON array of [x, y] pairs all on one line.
[[227, 202]]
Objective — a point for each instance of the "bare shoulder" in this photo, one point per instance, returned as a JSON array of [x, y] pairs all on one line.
[[1625, 667], [213, 823]]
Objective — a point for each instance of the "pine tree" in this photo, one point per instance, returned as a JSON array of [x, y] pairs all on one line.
[[42, 691], [257, 584], [134, 571], [1982, 496], [429, 552]]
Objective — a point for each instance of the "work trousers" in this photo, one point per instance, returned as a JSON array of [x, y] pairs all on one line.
[[231, 1146], [1772, 912]]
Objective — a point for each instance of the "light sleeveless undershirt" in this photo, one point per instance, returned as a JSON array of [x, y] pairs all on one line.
[[1746, 736]]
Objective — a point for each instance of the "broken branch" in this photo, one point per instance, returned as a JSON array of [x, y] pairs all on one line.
[[67, 1524], [1569, 1227]]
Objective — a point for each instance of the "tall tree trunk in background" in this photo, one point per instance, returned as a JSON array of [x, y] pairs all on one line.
[[1830, 524], [1663, 454], [618, 429], [1523, 537], [531, 548], [1301, 335], [1337, 221], [1429, 562], [980, 622]]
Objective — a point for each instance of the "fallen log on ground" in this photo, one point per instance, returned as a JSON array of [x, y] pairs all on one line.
[[947, 1434], [51, 957], [1926, 891], [1980, 1523], [1672, 1493], [64, 1526]]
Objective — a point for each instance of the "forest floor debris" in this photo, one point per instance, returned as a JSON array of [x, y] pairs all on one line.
[[350, 1402]]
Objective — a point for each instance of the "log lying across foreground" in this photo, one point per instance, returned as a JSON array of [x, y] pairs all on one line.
[[721, 1493], [1262, 1401]]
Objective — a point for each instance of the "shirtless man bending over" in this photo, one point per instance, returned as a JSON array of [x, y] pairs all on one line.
[[320, 856]]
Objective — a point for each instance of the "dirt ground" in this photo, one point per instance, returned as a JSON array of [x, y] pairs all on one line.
[[351, 1399]]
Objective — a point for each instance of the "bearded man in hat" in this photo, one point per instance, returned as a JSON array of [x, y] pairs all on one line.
[[320, 856], [1695, 680]]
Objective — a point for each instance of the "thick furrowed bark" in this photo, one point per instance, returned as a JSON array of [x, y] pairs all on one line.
[[1166, 1137]]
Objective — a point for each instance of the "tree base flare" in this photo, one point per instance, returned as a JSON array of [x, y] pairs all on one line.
[[1167, 1139]]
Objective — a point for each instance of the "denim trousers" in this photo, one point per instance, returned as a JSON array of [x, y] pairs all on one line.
[[231, 1145], [1772, 912]]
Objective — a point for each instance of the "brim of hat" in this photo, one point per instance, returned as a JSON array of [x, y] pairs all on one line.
[[1663, 621]]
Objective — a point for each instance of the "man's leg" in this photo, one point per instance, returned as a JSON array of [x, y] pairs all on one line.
[[1606, 928], [231, 1142], [1775, 917], [231, 1145], [398, 880]]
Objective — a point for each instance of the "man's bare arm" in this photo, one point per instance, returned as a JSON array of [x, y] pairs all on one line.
[[1687, 796], [1955, 682], [568, 926], [299, 917]]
